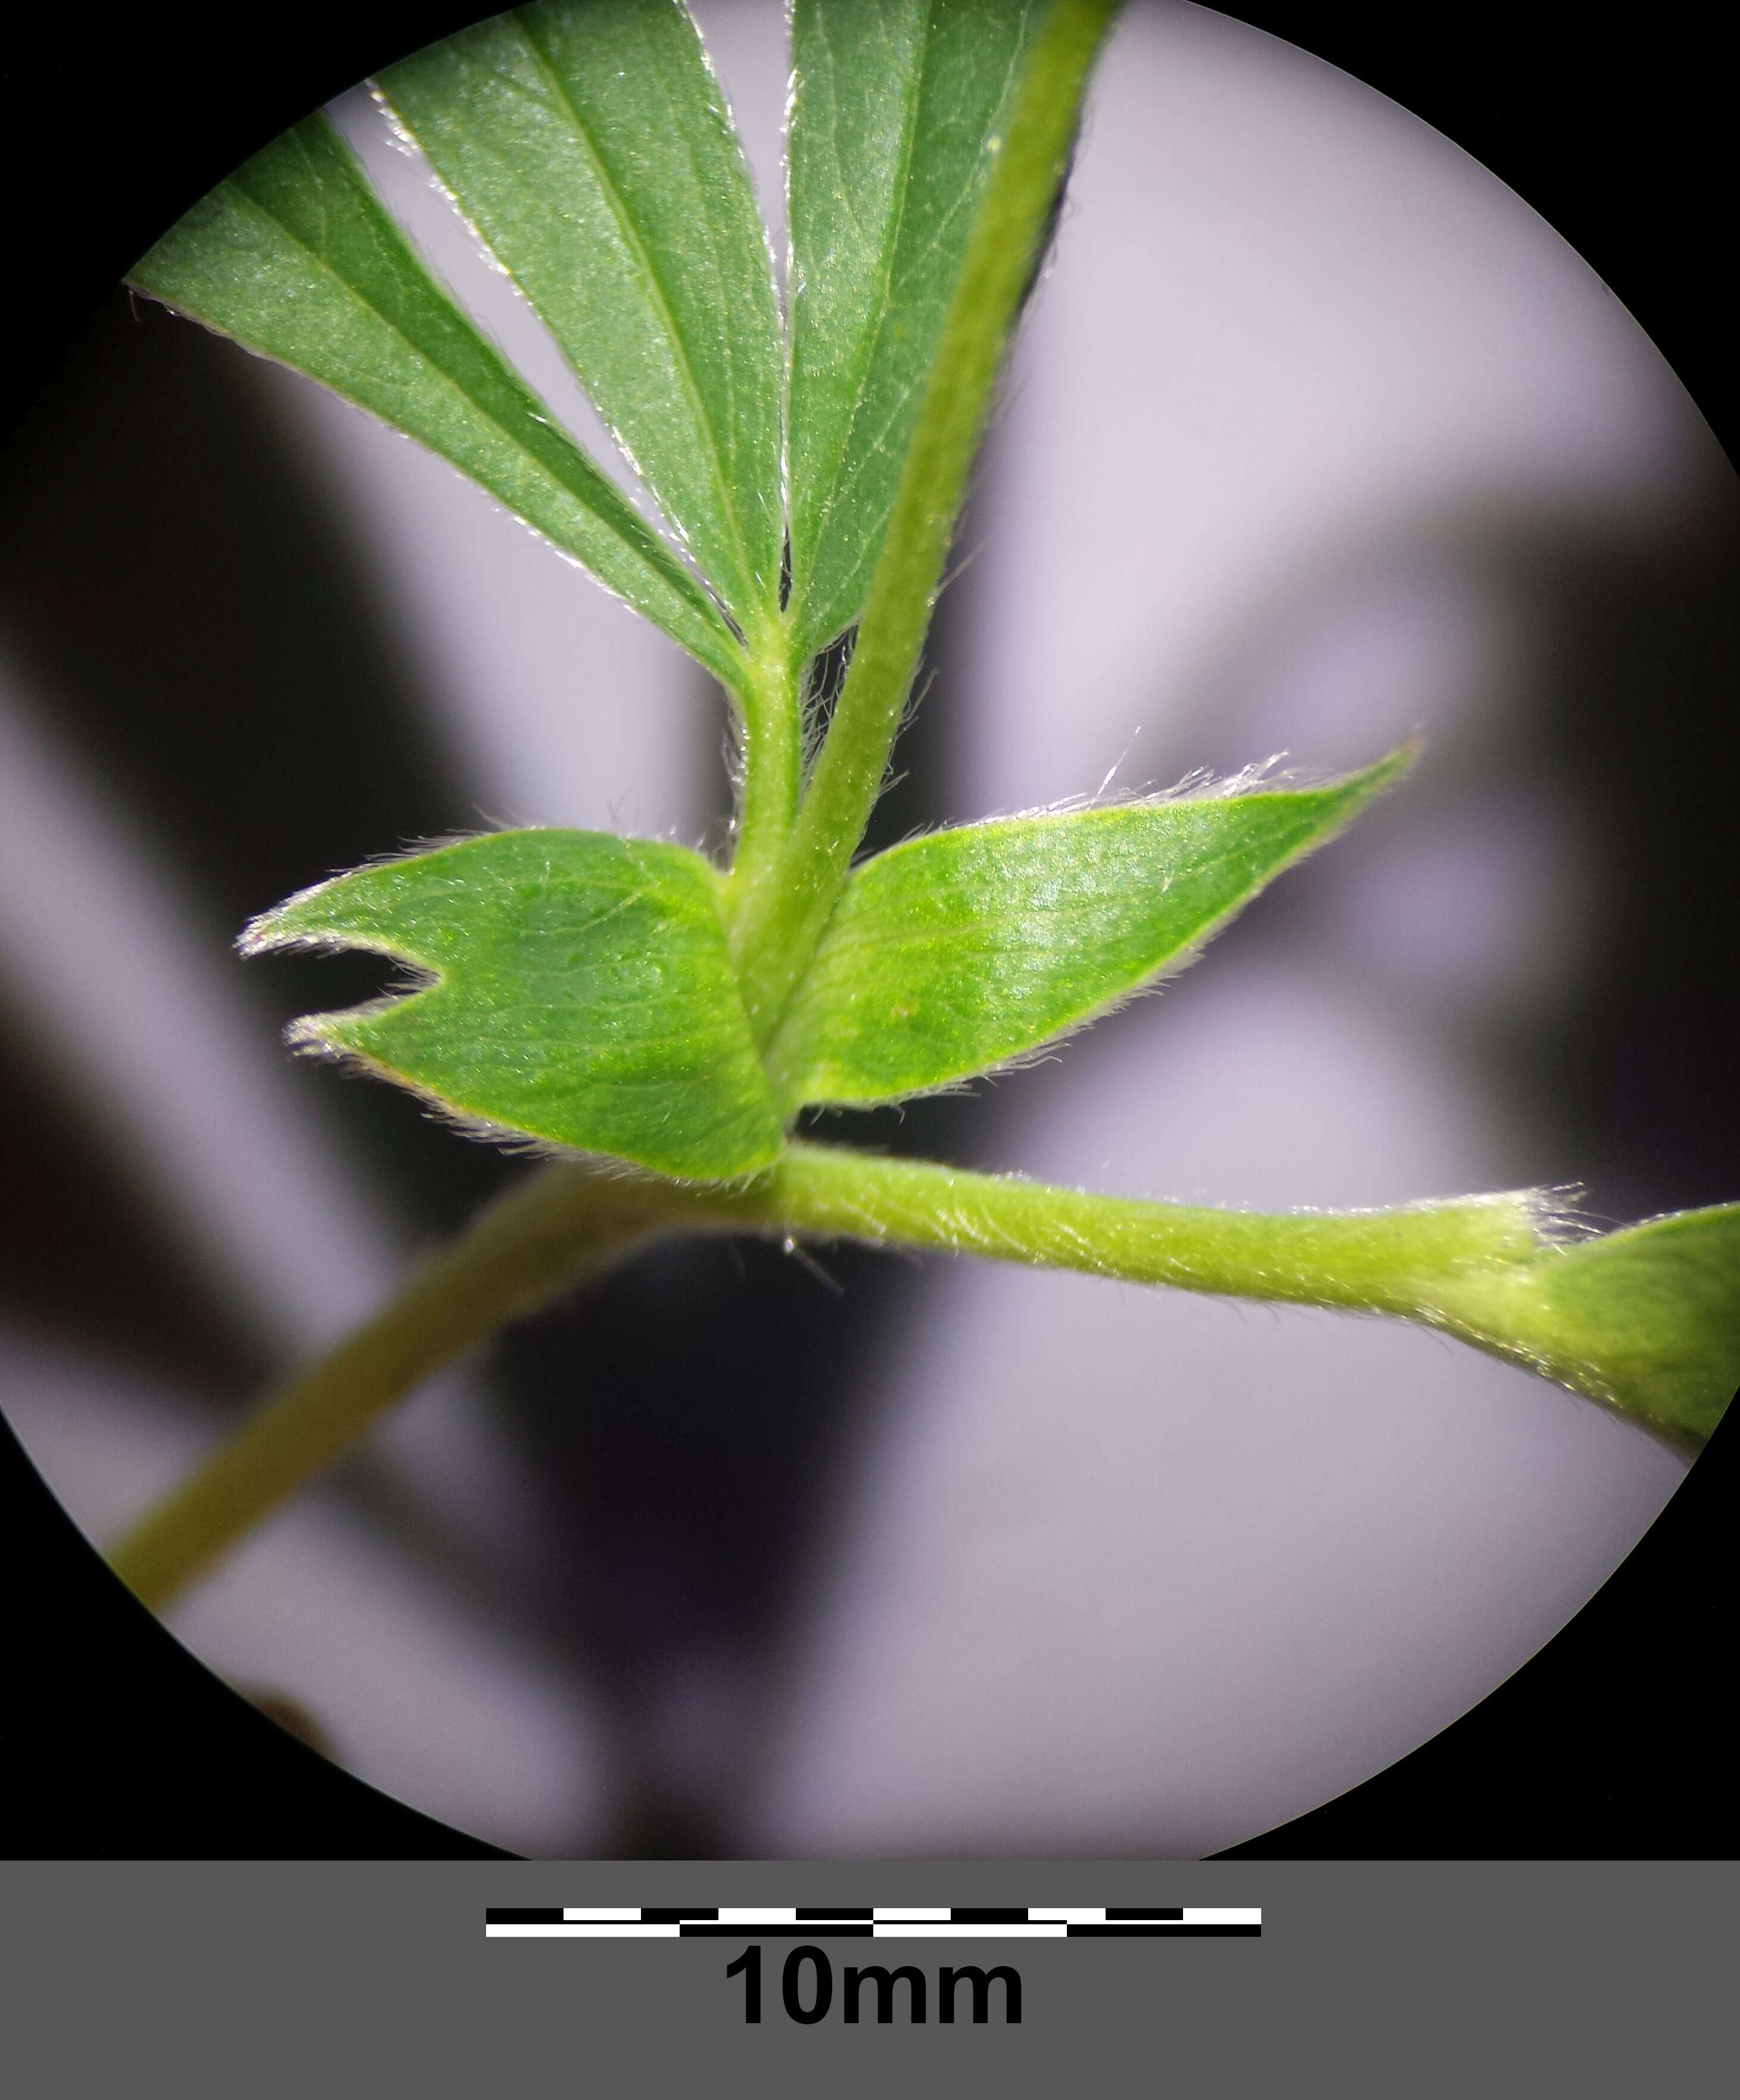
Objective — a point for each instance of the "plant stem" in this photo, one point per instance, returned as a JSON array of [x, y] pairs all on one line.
[[1645, 1320], [771, 724], [1420, 1262], [785, 916], [1395, 1261], [544, 1236]]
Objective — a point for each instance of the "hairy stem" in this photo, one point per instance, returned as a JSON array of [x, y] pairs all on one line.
[[1645, 1320], [771, 724], [1471, 1267], [783, 915], [1395, 1261]]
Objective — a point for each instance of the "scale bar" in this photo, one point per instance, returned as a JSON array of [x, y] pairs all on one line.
[[959, 1922]]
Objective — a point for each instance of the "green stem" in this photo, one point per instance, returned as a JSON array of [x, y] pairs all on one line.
[[771, 724], [1645, 1321], [543, 1237], [785, 915], [1395, 1261], [1449, 1265]]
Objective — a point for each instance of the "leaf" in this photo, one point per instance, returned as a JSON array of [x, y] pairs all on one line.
[[894, 106], [1647, 1320], [954, 952], [586, 142], [580, 990], [295, 258]]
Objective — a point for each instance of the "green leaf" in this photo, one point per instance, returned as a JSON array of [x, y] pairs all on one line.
[[1647, 1320], [894, 111], [955, 952], [295, 258], [579, 991], [586, 142]]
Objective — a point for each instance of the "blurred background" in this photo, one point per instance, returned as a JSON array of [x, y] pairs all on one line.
[[1317, 437]]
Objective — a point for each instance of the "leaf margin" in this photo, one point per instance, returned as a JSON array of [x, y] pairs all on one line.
[[472, 179], [623, 553]]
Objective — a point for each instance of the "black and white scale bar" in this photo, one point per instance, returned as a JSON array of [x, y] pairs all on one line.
[[1038, 1922]]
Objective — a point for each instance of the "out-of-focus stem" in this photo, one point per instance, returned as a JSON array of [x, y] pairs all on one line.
[[550, 1232]]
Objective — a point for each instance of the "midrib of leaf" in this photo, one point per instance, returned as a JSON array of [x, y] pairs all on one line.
[[366, 305], [661, 299], [720, 645]]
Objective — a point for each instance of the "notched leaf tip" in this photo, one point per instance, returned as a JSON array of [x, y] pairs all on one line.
[[570, 990]]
